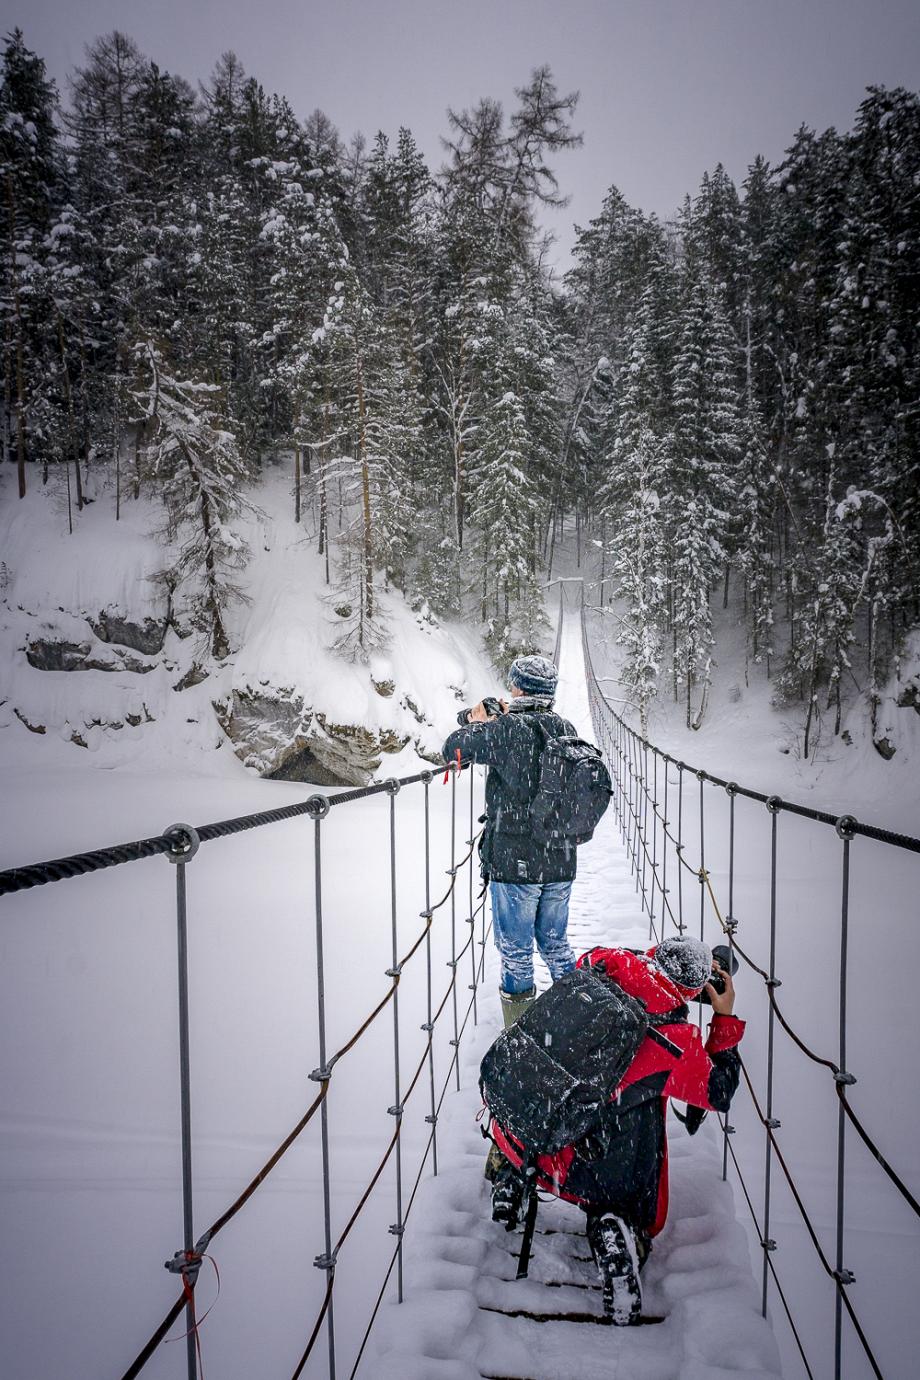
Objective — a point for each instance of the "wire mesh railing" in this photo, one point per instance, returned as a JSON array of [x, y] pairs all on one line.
[[652, 805], [180, 844]]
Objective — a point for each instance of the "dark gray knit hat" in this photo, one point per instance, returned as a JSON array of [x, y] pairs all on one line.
[[534, 675], [686, 961]]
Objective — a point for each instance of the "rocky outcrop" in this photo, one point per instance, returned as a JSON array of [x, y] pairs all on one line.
[[57, 654], [275, 732], [909, 697], [145, 635]]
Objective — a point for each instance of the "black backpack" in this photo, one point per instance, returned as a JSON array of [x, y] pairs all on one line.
[[547, 1077], [573, 790]]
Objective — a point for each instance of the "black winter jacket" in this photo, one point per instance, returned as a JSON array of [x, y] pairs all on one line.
[[511, 747]]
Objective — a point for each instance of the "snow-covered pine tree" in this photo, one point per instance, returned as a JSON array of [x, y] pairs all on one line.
[[504, 511], [30, 177], [640, 568], [705, 449], [197, 463]]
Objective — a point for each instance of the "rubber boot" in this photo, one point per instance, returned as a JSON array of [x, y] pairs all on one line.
[[514, 1004]]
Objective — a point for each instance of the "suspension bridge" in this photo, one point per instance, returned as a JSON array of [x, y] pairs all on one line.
[[409, 1276]]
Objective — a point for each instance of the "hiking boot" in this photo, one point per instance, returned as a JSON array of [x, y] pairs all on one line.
[[514, 1004], [507, 1195], [614, 1247]]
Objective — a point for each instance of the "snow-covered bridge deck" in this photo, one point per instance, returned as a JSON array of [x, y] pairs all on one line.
[[465, 1317]]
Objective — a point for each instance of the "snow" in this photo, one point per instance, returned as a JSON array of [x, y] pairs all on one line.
[[283, 631], [88, 1057], [460, 1282]]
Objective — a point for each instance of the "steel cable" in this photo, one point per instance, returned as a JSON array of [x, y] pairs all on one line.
[[320, 1075]]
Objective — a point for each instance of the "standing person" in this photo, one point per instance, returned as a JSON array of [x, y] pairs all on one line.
[[530, 879]]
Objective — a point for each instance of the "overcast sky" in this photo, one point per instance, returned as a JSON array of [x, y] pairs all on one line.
[[668, 87]]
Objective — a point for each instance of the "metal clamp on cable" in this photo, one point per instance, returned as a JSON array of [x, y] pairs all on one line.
[[318, 806], [325, 1262], [396, 1110], [395, 1229], [845, 1276], [392, 786], [185, 1263], [186, 842], [774, 804], [321, 1075], [846, 827], [844, 1078], [731, 788], [394, 972]]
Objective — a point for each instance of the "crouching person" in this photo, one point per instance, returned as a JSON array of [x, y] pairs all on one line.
[[617, 1169]]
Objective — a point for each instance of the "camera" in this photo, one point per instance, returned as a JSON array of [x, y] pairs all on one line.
[[490, 704], [724, 958]]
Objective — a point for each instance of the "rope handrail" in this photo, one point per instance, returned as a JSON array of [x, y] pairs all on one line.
[[388, 1152], [319, 806], [855, 826], [322, 1076], [421, 1169], [79, 864], [841, 1077], [847, 828]]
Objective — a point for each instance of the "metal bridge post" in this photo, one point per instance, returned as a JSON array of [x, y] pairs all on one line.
[[644, 769], [731, 925], [842, 1275], [453, 917], [655, 846], [186, 846], [664, 850], [432, 1117], [318, 808], [679, 847], [472, 917], [396, 1110], [774, 805], [702, 781], [634, 806]]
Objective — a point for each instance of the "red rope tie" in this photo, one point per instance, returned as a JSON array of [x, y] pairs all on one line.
[[191, 1262], [447, 770]]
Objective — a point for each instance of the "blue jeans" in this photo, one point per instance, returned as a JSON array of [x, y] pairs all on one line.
[[524, 912]]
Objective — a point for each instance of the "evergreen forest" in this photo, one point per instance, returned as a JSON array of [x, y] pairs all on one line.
[[195, 283]]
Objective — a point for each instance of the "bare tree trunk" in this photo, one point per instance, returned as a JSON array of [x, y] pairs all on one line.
[[71, 421], [367, 537], [297, 486]]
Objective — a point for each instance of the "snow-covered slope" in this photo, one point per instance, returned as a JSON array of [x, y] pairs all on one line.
[[67, 600]]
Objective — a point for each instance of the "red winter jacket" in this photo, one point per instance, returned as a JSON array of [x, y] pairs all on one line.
[[624, 1168]]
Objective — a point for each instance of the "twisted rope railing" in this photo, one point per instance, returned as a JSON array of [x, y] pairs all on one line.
[[636, 798], [180, 844]]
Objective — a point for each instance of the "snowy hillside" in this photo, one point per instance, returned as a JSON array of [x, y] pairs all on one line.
[[95, 655]]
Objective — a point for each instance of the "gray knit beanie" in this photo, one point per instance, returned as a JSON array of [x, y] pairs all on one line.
[[534, 675], [686, 961]]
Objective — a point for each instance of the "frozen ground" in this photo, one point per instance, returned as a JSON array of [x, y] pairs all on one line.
[[457, 1322]]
